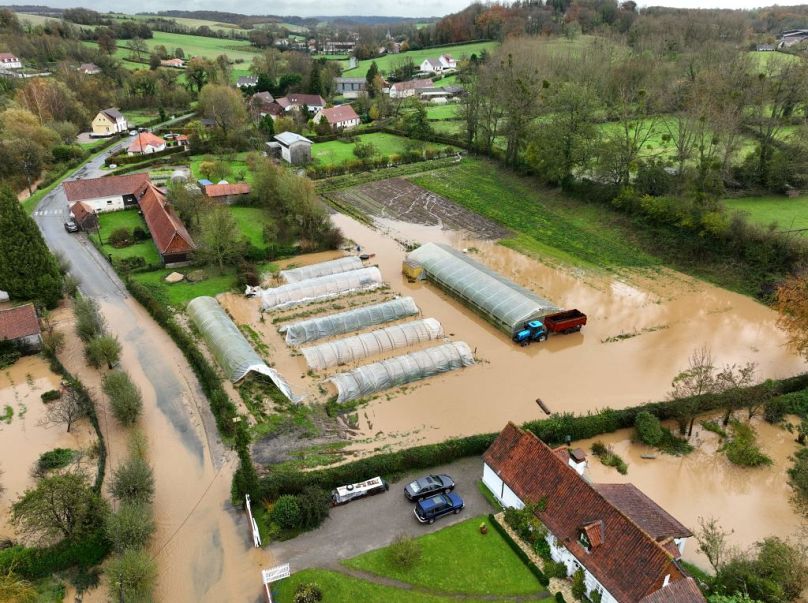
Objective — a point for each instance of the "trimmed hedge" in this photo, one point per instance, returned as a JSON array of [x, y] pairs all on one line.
[[35, 563], [543, 580], [130, 159]]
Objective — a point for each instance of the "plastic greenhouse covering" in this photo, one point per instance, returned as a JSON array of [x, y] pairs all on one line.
[[498, 299], [357, 347], [371, 378], [230, 348], [295, 275], [349, 321], [321, 287]]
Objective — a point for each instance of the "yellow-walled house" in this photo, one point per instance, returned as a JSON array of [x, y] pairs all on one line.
[[108, 122]]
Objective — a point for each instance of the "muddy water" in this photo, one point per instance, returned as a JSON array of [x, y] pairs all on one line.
[[752, 503], [25, 438]]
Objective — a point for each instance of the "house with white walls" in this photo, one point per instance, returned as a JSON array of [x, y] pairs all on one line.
[[628, 547]]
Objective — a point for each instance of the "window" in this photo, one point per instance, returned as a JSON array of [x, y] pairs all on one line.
[[109, 202], [584, 540]]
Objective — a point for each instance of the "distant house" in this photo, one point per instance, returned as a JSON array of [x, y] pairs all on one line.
[[350, 87], [225, 192], [173, 63], [146, 143], [341, 117], [765, 48], [628, 547], [335, 47], [86, 219], [263, 103], [89, 69], [290, 102], [108, 122], [409, 88], [791, 37], [173, 242], [176, 140], [294, 148], [9, 61], [444, 62], [110, 193], [20, 326], [247, 81]]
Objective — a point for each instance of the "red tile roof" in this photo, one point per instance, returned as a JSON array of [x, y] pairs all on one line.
[[19, 322], [108, 186], [143, 140], [80, 212], [7, 56], [298, 100], [335, 115], [411, 85], [629, 563], [169, 233], [681, 591], [643, 511], [224, 190]]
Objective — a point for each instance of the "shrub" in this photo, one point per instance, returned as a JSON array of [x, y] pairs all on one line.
[[131, 527], [120, 237], [124, 397], [103, 349], [648, 428], [89, 323], [560, 598], [308, 592], [286, 512], [140, 234], [404, 552], [542, 548], [714, 427], [9, 354], [55, 459], [578, 585], [798, 473], [133, 482], [774, 411], [543, 580], [742, 448], [555, 569], [248, 275], [134, 573], [609, 457], [315, 505], [50, 396], [596, 596]]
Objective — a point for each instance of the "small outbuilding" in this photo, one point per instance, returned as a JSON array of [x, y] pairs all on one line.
[[86, 219], [295, 149], [170, 236], [20, 326]]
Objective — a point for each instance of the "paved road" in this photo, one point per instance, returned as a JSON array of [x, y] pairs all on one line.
[[374, 522]]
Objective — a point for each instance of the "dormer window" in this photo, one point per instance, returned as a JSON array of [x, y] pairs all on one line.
[[591, 535], [584, 540]]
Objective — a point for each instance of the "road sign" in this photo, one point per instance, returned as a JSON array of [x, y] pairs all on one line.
[[273, 574]]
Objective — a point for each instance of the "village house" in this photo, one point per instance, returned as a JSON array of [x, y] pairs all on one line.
[[173, 63], [295, 101], [173, 242], [341, 117], [224, 192], [409, 88], [110, 193], [89, 69], [109, 122], [176, 140], [247, 81], [146, 143], [292, 148], [627, 546], [444, 62], [9, 61], [263, 103], [85, 218], [20, 326], [350, 87]]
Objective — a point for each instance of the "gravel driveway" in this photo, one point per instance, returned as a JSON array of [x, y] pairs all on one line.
[[371, 523]]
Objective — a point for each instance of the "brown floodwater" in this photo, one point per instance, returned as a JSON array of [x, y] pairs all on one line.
[[752, 503]]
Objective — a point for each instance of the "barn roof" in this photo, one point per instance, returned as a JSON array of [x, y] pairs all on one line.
[[169, 233], [335, 115], [19, 322], [107, 186], [225, 190]]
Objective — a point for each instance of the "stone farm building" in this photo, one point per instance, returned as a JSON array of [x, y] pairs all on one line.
[[20, 326], [628, 547], [173, 242], [110, 193], [341, 117], [146, 143], [292, 148], [108, 122]]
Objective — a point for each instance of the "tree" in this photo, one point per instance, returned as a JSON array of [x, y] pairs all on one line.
[[130, 527], [59, 506], [315, 84], [198, 72], [69, 408], [267, 126], [731, 380], [132, 576], [792, 304], [16, 590], [133, 481], [103, 349], [712, 539], [106, 41], [370, 77], [154, 61], [798, 473], [224, 106], [179, 53], [286, 512], [27, 159], [219, 237], [649, 430], [27, 268], [692, 384], [137, 48], [414, 119], [89, 322], [124, 397]]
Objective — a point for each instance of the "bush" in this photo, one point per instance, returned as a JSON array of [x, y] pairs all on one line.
[[134, 573], [542, 548], [89, 322], [798, 473], [648, 428], [715, 428], [131, 527], [140, 234], [555, 569], [133, 482], [308, 592], [248, 275], [543, 580], [286, 512], [774, 411], [35, 563], [560, 598], [742, 448], [315, 505], [55, 459], [609, 457], [103, 349], [124, 397], [50, 396], [578, 585], [120, 237], [404, 552]]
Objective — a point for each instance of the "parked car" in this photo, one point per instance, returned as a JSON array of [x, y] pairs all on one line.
[[427, 486], [429, 509], [71, 226], [344, 494]]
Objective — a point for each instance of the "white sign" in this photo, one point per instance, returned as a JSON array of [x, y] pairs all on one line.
[[273, 574]]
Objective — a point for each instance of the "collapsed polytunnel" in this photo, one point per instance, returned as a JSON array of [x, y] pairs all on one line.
[[372, 378], [295, 275], [351, 320], [364, 345], [498, 299], [321, 287], [230, 348]]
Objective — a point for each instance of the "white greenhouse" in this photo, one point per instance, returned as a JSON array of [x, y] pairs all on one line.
[[364, 345], [378, 376], [322, 287], [295, 275], [230, 348], [349, 321]]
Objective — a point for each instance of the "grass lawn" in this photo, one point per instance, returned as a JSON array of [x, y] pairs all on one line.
[[388, 62], [789, 214], [459, 559], [140, 116], [545, 221], [449, 111], [128, 219], [239, 172], [251, 222], [337, 151], [447, 127]]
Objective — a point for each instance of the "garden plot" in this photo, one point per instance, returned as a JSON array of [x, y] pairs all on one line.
[[399, 199]]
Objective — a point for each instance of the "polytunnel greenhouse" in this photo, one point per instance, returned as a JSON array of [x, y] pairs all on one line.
[[372, 378], [364, 345], [321, 287], [498, 299], [351, 320], [230, 348], [295, 275]]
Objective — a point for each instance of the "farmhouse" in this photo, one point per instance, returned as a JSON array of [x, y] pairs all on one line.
[[109, 193], [84, 217], [627, 546], [174, 63], [444, 62], [263, 103], [9, 61], [341, 117], [89, 69], [108, 122], [225, 192], [294, 148], [350, 87], [314, 102], [246, 81], [168, 232], [146, 143], [408, 88], [20, 326]]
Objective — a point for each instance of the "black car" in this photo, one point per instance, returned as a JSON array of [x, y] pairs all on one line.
[[71, 226], [428, 510], [427, 486]]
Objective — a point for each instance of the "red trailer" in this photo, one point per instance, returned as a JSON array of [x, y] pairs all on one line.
[[568, 321]]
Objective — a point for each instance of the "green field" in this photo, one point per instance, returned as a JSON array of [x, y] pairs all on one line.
[[763, 59], [251, 222], [194, 46], [128, 219], [787, 213], [437, 112], [545, 222], [239, 172], [338, 151], [35, 19], [388, 62]]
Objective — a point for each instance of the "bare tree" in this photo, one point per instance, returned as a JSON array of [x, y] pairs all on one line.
[[692, 384], [68, 409], [712, 539], [731, 380]]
